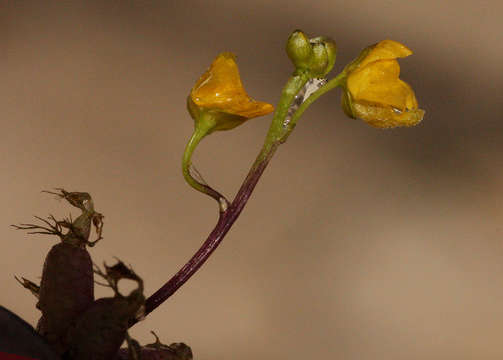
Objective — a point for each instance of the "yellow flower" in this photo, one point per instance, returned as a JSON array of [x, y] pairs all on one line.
[[220, 93], [375, 93]]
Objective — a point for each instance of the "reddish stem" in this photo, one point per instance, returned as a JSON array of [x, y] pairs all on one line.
[[225, 222]]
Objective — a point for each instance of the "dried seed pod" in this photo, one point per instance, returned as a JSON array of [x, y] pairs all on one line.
[[66, 291], [100, 331], [67, 285]]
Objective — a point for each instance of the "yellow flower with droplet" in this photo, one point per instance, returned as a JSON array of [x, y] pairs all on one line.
[[220, 94], [375, 93]]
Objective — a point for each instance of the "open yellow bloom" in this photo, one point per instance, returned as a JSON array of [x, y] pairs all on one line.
[[220, 91], [374, 91]]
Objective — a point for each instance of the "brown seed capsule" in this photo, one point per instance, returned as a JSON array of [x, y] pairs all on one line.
[[100, 331], [67, 285], [66, 291]]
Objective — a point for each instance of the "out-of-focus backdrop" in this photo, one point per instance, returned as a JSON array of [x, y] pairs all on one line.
[[357, 244]]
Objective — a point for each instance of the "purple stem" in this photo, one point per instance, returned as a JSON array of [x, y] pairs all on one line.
[[225, 222]]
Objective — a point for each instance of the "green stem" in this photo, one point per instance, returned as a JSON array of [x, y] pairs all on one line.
[[199, 133], [277, 130]]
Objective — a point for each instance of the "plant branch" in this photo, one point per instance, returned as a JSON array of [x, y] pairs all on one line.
[[228, 214], [225, 222]]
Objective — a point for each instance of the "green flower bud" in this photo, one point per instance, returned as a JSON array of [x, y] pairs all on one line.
[[315, 56], [324, 55], [299, 49]]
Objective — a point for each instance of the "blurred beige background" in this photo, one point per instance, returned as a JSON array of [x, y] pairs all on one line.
[[357, 244]]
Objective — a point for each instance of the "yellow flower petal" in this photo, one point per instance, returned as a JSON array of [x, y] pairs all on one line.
[[378, 82], [376, 94], [386, 49], [220, 88]]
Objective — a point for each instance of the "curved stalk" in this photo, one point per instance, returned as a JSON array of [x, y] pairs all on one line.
[[196, 137], [276, 135], [225, 222]]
